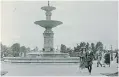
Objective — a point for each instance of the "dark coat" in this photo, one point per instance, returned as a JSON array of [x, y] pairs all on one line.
[[107, 58], [89, 58]]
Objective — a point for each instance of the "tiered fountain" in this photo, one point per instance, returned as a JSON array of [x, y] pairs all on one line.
[[48, 24], [48, 54]]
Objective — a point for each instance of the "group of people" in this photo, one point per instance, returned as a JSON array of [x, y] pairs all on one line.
[[103, 58], [86, 59], [87, 56]]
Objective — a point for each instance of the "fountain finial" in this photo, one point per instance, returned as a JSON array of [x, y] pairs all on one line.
[[48, 3]]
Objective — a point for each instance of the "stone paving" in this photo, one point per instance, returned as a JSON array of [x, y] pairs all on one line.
[[55, 69]]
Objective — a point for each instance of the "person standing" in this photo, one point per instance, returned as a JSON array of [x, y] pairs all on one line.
[[103, 59], [83, 51], [99, 54], [107, 58], [82, 57], [116, 56], [89, 60]]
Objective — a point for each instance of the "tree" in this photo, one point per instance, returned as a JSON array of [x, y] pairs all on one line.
[[63, 48], [15, 49], [81, 44], [84, 44], [28, 49], [23, 50], [4, 51], [69, 50], [78, 48], [93, 47], [99, 45], [75, 49]]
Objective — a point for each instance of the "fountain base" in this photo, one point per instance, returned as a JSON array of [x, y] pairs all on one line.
[[45, 57]]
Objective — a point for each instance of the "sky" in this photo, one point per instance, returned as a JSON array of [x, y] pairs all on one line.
[[88, 21]]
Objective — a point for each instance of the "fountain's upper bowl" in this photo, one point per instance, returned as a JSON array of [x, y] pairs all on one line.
[[48, 23], [48, 8]]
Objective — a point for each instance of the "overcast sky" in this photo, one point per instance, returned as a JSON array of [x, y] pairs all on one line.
[[82, 21]]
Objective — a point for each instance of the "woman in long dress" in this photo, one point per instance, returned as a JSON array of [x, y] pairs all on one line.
[[103, 59], [99, 56], [82, 60]]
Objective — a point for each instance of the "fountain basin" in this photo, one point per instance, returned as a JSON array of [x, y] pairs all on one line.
[[49, 55], [41, 60], [48, 8], [48, 23]]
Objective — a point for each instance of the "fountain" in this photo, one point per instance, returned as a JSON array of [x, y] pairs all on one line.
[[48, 24], [48, 54]]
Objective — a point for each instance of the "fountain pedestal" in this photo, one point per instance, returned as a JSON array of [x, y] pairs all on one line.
[[48, 39], [48, 24]]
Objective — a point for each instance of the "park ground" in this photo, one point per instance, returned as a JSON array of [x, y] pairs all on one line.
[[55, 69]]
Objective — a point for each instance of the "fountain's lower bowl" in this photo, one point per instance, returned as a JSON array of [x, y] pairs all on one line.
[[48, 54], [43, 59], [48, 23]]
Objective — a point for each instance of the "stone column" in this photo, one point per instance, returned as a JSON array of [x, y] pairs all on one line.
[[48, 15], [48, 39]]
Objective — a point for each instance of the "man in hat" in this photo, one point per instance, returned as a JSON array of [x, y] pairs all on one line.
[[89, 60], [107, 58]]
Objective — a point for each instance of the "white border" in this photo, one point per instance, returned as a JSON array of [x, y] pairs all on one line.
[[59, 0], [54, 0]]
